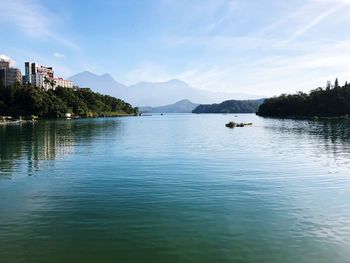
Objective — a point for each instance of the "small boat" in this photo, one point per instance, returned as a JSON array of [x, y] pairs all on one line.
[[232, 124]]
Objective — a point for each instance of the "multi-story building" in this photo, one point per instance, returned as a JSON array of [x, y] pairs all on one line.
[[8, 75], [40, 81], [60, 82], [4, 64], [43, 77], [46, 71], [40, 76], [27, 78]]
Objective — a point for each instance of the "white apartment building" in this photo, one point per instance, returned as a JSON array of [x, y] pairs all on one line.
[[43, 77], [42, 81], [60, 82]]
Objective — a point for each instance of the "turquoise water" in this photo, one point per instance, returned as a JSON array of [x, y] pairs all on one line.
[[175, 188]]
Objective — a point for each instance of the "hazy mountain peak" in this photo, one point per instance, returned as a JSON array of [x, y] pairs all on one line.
[[172, 82], [176, 81], [184, 101], [92, 77], [85, 74], [89, 74], [106, 75], [182, 106], [104, 84], [152, 93]]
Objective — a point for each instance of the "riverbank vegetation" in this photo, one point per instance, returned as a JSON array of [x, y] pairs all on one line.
[[332, 101], [27, 100], [230, 106]]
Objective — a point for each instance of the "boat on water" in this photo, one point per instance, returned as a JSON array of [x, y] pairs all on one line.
[[232, 124]]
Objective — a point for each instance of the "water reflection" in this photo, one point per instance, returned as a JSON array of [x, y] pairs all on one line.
[[33, 143], [330, 137], [176, 189]]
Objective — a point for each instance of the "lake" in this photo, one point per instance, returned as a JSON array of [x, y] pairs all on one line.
[[175, 188]]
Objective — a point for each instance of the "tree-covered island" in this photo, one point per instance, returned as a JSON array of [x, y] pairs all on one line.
[[26, 100], [230, 106], [332, 101]]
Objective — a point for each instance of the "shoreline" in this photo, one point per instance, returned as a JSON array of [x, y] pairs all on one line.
[[19, 121], [314, 118]]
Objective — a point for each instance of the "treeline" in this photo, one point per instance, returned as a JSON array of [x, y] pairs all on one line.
[[332, 101], [27, 100], [230, 106]]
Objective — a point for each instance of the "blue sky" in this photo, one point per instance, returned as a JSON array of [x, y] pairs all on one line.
[[252, 46]]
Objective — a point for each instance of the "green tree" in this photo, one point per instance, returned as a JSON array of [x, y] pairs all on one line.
[[336, 83], [26, 100], [327, 102]]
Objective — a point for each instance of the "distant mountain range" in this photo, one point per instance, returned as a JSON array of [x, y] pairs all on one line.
[[182, 106], [104, 84], [230, 106], [152, 94]]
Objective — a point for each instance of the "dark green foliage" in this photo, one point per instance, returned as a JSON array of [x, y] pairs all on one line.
[[26, 100], [230, 106], [329, 102], [336, 84]]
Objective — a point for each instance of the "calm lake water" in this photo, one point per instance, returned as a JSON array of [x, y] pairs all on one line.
[[175, 188]]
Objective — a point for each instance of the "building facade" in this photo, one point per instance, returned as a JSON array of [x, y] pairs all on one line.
[[27, 73], [40, 81], [37, 75], [60, 82], [9, 76], [40, 76], [45, 71], [44, 77]]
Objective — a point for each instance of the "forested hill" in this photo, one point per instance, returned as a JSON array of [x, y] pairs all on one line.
[[26, 100], [182, 106], [230, 106], [322, 102]]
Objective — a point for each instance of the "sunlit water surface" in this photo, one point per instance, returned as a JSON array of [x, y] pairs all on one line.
[[175, 188]]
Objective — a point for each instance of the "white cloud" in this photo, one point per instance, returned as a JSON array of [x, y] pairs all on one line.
[[270, 76], [329, 10], [310, 66], [229, 8], [215, 44], [34, 20], [8, 59], [147, 72], [305, 18], [276, 58], [58, 55]]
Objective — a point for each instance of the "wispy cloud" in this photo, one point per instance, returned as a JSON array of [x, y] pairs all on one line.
[[147, 72], [261, 47], [33, 19], [305, 18], [8, 59], [226, 11], [272, 59], [308, 66], [58, 55]]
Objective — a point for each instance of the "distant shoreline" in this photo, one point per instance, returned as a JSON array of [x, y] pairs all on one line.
[[330, 102], [18, 121], [30, 102], [342, 117]]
